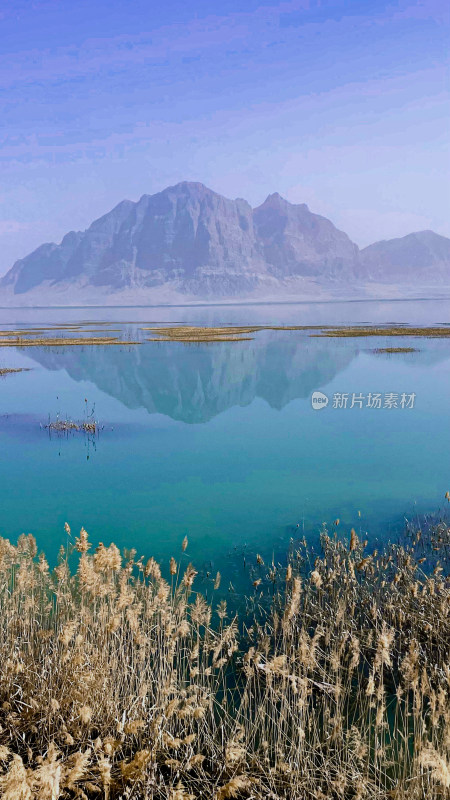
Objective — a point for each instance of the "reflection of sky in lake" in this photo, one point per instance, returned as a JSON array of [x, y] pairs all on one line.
[[220, 441]]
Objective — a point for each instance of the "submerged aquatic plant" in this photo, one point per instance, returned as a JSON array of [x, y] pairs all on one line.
[[118, 681]]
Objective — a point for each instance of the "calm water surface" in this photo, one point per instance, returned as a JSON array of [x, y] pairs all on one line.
[[220, 441]]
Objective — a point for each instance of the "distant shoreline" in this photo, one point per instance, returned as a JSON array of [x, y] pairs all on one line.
[[244, 303]]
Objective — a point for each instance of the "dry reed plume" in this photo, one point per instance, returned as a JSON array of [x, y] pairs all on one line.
[[120, 682]]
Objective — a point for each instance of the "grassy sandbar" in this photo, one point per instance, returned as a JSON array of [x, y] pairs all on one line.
[[10, 371], [377, 330], [59, 341], [198, 334], [395, 350]]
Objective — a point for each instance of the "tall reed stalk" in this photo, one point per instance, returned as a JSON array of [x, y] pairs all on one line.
[[117, 681]]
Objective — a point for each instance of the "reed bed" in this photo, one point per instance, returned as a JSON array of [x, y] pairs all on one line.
[[12, 370], [59, 341], [55, 336], [199, 334], [70, 426], [332, 682], [435, 332], [87, 334], [391, 350], [189, 334]]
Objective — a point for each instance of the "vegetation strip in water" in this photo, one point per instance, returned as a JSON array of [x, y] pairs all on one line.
[[10, 370], [395, 350], [57, 341], [34, 337], [117, 680], [192, 334], [197, 334], [398, 330], [69, 426]]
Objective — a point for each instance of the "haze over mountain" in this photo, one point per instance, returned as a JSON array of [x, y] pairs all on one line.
[[423, 256], [190, 244]]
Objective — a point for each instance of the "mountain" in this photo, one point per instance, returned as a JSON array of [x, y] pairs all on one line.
[[295, 242], [423, 256], [190, 244], [195, 384]]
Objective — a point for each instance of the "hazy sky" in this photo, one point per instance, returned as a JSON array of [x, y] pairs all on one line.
[[341, 104]]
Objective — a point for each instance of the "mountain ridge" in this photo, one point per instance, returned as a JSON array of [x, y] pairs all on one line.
[[190, 243]]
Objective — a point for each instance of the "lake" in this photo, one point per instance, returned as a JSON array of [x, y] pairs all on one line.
[[220, 441]]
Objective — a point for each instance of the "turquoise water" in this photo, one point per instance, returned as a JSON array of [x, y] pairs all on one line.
[[220, 442]]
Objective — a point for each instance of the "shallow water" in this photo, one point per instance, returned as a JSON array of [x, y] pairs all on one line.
[[220, 441]]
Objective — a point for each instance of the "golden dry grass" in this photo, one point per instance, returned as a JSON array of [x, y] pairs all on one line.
[[202, 339], [197, 334], [189, 334], [118, 681], [50, 336], [80, 335], [395, 350], [58, 341], [70, 426], [10, 370], [381, 330]]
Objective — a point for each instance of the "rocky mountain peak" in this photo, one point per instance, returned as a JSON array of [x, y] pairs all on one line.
[[189, 241], [276, 200]]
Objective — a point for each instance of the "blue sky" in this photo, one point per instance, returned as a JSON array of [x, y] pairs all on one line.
[[340, 104]]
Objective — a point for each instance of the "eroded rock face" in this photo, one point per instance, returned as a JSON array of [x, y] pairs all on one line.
[[201, 241], [48, 262], [199, 244], [186, 233], [296, 242], [421, 256]]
